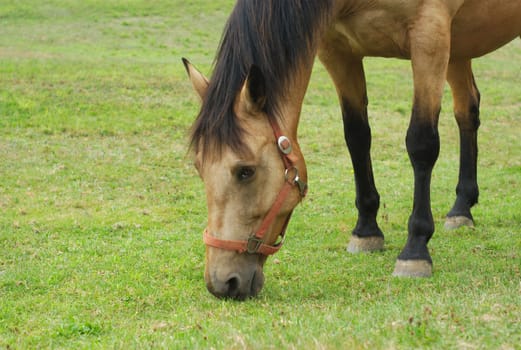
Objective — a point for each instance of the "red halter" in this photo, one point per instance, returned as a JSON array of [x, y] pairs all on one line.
[[255, 243]]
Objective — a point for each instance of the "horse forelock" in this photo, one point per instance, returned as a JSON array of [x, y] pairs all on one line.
[[276, 36]]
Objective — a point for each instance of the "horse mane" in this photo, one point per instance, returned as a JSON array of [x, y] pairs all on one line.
[[274, 35]]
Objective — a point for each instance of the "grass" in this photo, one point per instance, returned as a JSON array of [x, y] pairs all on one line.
[[101, 211]]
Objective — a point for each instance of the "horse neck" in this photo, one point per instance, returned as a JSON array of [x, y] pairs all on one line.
[[291, 106]]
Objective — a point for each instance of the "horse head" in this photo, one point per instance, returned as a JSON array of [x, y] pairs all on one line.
[[251, 189]]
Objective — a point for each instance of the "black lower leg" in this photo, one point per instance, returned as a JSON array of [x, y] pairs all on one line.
[[423, 146], [467, 191], [358, 138]]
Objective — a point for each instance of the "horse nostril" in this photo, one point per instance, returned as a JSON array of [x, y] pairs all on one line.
[[233, 284]]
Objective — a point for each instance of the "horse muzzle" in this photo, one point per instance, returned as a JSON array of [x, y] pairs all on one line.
[[242, 284]]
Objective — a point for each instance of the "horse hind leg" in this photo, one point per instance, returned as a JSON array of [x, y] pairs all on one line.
[[366, 235], [348, 75], [466, 110]]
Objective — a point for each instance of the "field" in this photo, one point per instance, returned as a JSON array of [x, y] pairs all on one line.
[[102, 212]]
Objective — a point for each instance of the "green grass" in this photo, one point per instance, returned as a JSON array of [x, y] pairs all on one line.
[[101, 211]]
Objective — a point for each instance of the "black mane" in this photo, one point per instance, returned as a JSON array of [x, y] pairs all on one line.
[[274, 35]]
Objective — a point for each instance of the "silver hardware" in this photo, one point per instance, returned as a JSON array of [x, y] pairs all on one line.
[[253, 244], [280, 143], [295, 178], [302, 186]]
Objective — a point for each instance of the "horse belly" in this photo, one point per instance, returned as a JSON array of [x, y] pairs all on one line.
[[480, 27]]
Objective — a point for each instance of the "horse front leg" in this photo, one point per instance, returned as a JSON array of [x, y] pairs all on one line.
[[348, 75], [466, 110], [430, 44]]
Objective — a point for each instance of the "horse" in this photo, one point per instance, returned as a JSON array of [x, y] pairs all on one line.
[[244, 139]]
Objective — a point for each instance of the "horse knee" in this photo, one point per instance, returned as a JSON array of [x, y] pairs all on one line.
[[423, 145]]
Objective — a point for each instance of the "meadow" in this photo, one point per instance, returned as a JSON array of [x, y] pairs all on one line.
[[102, 211]]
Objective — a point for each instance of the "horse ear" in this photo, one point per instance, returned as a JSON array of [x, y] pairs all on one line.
[[253, 92], [199, 81]]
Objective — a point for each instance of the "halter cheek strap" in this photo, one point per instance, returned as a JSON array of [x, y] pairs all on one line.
[[255, 243]]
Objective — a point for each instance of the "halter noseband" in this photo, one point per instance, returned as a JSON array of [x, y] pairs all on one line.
[[255, 243]]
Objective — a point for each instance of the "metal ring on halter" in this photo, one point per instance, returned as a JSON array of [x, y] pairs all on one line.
[[284, 149], [302, 186], [293, 180]]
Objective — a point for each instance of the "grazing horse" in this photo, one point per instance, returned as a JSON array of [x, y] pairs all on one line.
[[245, 136]]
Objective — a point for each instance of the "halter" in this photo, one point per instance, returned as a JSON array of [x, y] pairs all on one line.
[[255, 243]]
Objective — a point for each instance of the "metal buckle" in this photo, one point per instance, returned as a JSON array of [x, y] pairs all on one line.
[[280, 143], [253, 245]]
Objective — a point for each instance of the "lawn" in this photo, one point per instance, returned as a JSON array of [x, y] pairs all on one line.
[[102, 212]]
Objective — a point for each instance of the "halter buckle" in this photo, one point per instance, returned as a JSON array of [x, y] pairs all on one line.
[[284, 145], [253, 244]]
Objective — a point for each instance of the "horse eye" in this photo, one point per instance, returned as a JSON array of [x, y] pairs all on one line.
[[245, 173]]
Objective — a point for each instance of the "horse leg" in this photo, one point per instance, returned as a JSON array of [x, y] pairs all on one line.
[[466, 110], [348, 75], [430, 43]]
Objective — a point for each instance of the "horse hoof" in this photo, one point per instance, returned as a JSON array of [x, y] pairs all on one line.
[[454, 222], [365, 245], [412, 268]]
